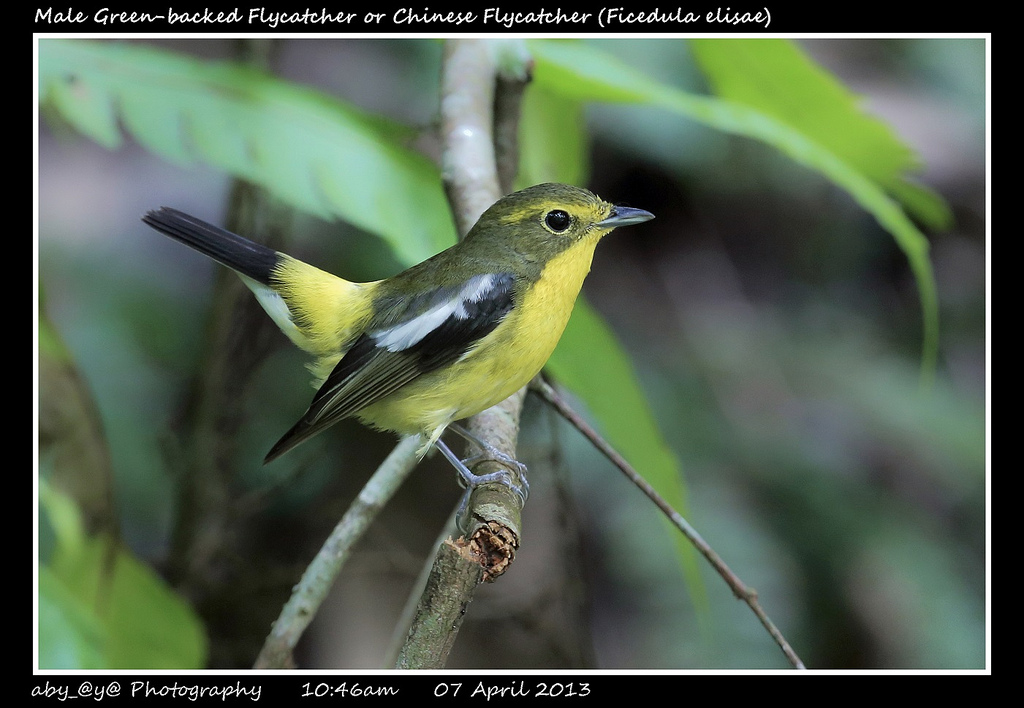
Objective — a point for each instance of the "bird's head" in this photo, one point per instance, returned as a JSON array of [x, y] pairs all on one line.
[[540, 222]]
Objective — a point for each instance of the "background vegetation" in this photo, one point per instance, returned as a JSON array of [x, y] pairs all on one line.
[[775, 328]]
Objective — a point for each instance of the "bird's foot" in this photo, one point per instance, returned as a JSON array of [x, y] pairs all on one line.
[[470, 480]]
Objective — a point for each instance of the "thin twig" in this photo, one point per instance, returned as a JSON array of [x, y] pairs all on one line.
[[309, 594], [739, 589]]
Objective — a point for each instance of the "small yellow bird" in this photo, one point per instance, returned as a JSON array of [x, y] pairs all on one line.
[[438, 342]]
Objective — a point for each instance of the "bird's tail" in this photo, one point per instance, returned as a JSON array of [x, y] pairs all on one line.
[[251, 259], [321, 313]]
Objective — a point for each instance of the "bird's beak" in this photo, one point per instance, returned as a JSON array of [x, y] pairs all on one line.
[[623, 216]]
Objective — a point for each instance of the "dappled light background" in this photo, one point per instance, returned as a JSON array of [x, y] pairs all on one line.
[[776, 329]]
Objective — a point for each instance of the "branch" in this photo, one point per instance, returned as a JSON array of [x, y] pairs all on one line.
[[467, 98], [309, 594], [515, 70], [478, 120], [468, 117], [739, 589], [450, 588]]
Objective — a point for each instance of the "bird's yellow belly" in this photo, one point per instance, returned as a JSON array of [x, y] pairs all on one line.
[[499, 366]]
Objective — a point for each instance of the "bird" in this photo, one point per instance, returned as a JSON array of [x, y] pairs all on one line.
[[439, 342]]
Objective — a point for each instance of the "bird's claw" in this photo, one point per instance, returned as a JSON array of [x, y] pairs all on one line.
[[470, 480]]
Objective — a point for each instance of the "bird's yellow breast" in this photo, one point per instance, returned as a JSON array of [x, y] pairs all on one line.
[[501, 363]]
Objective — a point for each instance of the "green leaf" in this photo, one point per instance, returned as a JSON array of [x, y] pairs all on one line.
[[106, 609], [312, 151], [552, 139], [579, 71], [50, 344], [71, 636], [590, 362], [582, 72], [777, 78]]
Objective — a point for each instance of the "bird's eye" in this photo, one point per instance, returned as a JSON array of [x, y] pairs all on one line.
[[557, 220]]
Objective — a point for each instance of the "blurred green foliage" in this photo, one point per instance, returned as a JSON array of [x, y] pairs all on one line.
[[101, 608]]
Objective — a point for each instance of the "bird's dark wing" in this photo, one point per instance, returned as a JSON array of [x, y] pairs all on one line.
[[419, 334]]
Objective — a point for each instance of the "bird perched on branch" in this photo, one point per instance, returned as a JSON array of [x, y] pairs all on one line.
[[438, 342]]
